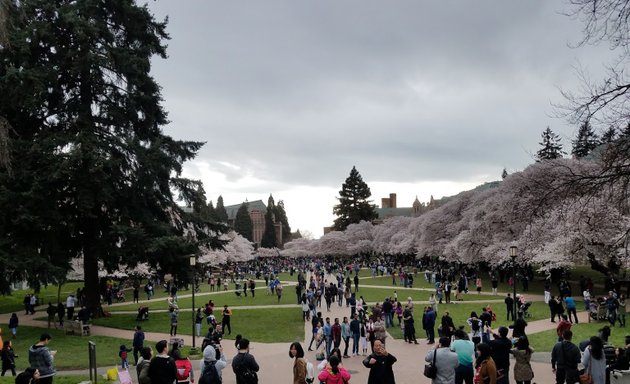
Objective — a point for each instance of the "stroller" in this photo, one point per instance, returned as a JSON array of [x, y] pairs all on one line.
[[120, 296], [523, 311], [143, 314]]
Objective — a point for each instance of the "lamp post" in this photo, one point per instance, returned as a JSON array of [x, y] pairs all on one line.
[[513, 251], [193, 262]]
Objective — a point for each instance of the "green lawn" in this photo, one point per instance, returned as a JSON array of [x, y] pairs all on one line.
[[71, 350], [59, 379], [219, 298], [13, 302], [269, 325], [544, 341]]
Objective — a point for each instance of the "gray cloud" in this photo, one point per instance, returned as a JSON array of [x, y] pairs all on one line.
[[298, 92]]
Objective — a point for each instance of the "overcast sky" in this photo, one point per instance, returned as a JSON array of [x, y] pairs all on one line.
[[425, 98]]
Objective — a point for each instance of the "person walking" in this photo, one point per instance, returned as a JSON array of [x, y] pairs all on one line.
[[509, 306], [137, 343], [41, 358], [380, 363], [61, 312], [8, 358], [571, 309], [296, 352], [14, 322], [444, 360], [244, 364]]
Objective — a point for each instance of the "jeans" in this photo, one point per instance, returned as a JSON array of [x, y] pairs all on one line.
[[464, 374], [431, 334], [328, 346], [570, 376], [388, 320], [346, 341], [355, 343]]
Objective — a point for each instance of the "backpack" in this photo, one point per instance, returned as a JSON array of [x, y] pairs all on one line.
[[210, 374], [183, 368]]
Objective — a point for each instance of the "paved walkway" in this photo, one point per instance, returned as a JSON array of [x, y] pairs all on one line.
[[276, 366]]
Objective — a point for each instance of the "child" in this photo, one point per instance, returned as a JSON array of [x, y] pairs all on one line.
[[123, 356]]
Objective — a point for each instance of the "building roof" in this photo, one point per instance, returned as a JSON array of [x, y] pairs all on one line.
[[256, 205], [384, 213]]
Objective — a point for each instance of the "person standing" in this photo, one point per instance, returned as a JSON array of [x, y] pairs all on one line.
[[501, 347], [138, 343], [565, 357], [328, 336], [485, 365], [509, 306], [136, 294], [61, 312], [333, 372], [355, 329], [380, 363], [428, 323], [296, 352], [162, 369], [571, 309], [244, 365], [444, 360], [465, 349], [225, 320], [345, 335], [142, 367], [41, 358], [174, 314], [336, 333], [523, 373], [594, 361], [70, 303]]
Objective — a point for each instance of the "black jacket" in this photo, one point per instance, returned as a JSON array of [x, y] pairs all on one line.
[[381, 372], [565, 355], [162, 370]]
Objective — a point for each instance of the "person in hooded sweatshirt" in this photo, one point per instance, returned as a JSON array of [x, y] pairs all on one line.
[[41, 359], [210, 355]]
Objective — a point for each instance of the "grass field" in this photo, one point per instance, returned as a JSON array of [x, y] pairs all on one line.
[[544, 341], [13, 302], [268, 325], [59, 379], [219, 298], [72, 351]]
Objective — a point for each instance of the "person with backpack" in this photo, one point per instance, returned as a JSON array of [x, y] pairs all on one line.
[[244, 365], [299, 365], [213, 361]]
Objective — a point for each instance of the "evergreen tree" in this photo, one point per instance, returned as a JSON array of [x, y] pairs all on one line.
[[609, 136], [551, 146], [354, 205], [243, 223], [585, 142], [269, 235], [96, 176], [221, 213], [281, 217], [212, 212], [504, 174]]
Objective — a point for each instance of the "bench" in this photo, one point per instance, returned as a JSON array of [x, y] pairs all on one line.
[[76, 328]]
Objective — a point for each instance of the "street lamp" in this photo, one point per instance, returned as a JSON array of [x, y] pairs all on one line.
[[193, 262], [513, 251]]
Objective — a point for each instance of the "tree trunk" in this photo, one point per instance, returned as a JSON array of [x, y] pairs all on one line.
[[597, 265]]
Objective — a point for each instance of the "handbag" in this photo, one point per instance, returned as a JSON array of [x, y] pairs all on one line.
[[430, 370], [586, 377]]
